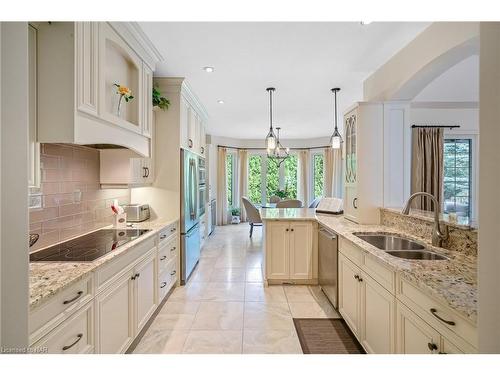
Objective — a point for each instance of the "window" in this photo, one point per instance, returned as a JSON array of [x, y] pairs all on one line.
[[272, 177], [230, 178], [290, 166], [255, 179], [458, 176], [317, 175]]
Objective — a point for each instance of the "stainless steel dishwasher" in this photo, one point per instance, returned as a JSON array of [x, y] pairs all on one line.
[[328, 264]]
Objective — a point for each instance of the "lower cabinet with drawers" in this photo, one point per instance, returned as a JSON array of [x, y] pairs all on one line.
[[388, 314], [104, 312]]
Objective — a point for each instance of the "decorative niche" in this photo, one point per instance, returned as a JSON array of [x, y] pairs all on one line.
[[121, 66]]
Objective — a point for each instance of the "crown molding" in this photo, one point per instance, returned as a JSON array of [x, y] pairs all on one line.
[[444, 105], [137, 39]]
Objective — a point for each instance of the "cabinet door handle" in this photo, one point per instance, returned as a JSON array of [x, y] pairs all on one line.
[[434, 312], [78, 338], [287, 229], [144, 172], [163, 257], [163, 284], [354, 203], [360, 279], [173, 249], [172, 230], [173, 273], [356, 277], [432, 347], [136, 276], [202, 150], [147, 172], [291, 229], [78, 295], [190, 143], [163, 236]]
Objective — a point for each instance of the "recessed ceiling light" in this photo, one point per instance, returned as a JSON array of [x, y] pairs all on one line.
[[208, 69], [364, 23], [220, 101]]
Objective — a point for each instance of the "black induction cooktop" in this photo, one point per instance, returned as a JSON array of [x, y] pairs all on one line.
[[89, 247]]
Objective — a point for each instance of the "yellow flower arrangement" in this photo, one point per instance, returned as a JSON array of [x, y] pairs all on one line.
[[124, 92]]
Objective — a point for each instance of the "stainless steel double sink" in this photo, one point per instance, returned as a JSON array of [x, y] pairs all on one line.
[[399, 246]]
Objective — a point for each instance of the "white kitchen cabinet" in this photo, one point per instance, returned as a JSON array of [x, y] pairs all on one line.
[[202, 138], [301, 240], [192, 130], [364, 162], [74, 336], [123, 167], [378, 317], [414, 336], [145, 291], [147, 104], [350, 294], [115, 316], [33, 145], [289, 250], [78, 63]]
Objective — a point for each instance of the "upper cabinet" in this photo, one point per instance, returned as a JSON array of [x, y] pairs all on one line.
[[186, 117], [364, 162], [80, 65]]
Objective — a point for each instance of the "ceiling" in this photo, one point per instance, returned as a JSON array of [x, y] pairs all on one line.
[[302, 60]]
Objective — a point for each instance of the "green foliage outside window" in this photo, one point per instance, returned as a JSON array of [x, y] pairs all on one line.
[[457, 175], [255, 179], [272, 177], [318, 175], [291, 177]]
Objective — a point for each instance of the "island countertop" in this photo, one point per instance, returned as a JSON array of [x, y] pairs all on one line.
[[288, 214], [452, 281]]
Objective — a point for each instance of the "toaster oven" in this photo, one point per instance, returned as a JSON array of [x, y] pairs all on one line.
[[137, 212]]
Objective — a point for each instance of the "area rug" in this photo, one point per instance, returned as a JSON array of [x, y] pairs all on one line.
[[326, 336]]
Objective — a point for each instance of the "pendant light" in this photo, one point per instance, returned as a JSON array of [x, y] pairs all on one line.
[[271, 142], [336, 139]]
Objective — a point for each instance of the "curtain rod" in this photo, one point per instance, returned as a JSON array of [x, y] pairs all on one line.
[[263, 148], [436, 126]]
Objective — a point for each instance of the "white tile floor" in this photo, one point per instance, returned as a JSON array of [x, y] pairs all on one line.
[[224, 308]]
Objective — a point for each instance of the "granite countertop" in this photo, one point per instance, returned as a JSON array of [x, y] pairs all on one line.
[[49, 278], [462, 222], [453, 281], [288, 214]]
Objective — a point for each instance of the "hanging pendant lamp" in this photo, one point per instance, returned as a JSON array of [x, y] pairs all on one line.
[[271, 141], [336, 138]]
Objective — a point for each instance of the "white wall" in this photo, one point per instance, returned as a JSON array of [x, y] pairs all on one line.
[[14, 185], [467, 118], [489, 202], [435, 50]]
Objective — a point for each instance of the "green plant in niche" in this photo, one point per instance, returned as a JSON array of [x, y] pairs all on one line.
[[160, 101], [235, 211]]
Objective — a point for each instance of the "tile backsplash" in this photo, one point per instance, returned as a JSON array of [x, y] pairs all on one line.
[[70, 201]]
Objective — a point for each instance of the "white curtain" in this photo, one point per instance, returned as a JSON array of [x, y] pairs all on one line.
[[333, 173], [304, 173], [221, 187], [242, 180]]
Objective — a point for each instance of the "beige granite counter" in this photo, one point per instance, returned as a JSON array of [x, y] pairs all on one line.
[[453, 281], [288, 214], [49, 278]]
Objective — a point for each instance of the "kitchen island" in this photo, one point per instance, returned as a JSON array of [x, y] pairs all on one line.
[[391, 304]]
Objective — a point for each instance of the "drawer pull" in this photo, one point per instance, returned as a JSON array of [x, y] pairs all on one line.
[[173, 273], [172, 230], [163, 236], [163, 257], [136, 276], [163, 284], [78, 338], [356, 277], [434, 312], [432, 346], [173, 249], [78, 295]]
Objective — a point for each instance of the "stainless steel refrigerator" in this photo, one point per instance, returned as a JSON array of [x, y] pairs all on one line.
[[190, 226]]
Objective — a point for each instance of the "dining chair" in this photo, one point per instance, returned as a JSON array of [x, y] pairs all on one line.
[[253, 214], [289, 203], [274, 199]]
